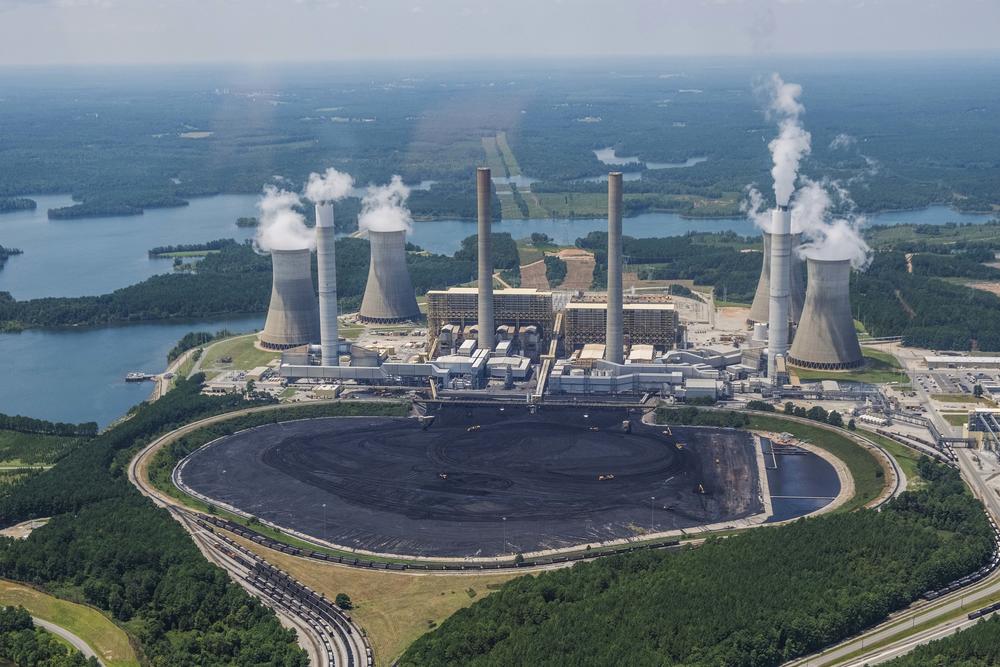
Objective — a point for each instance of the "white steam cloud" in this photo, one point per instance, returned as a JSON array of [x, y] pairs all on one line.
[[281, 226], [383, 208], [827, 236], [757, 211], [331, 185], [792, 142], [842, 140]]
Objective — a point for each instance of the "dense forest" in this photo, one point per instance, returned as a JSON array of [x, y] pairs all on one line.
[[123, 144], [45, 427], [25, 645], [12, 204], [7, 253], [108, 546], [978, 646], [755, 599]]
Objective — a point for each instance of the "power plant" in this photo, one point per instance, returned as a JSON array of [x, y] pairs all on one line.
[[292, 316], [389, 295], [326, 263], [826, 338], [780, 291], [614, 351], [762, 297], [485, 320]]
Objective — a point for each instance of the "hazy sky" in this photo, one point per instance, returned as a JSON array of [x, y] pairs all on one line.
[[165, 31]]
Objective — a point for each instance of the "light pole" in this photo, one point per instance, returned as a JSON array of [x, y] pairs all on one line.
[[651, 499], [326, 529]]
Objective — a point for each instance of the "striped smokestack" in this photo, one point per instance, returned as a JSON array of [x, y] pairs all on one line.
[[781, 274], [326, 263], [614, 350], [487, 323]]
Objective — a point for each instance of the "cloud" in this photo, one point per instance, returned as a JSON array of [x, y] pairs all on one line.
[[792, 142], [827, 236], [842, 141], [331, 185], [383, 208], [281, 226]]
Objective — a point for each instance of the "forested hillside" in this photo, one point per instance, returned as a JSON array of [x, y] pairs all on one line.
[[755, 599], [108, 546]]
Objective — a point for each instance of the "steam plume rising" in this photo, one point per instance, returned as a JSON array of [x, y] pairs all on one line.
[[281, 226], [792, 142], [757, 211], [828, 237], [383, 208], [331, 185]]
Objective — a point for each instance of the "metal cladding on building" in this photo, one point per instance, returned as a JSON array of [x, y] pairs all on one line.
[[614, 340], [326, 263], [486, 321], [762, 297], [292, 317], [826, 338], [780, 288], [389, 293]]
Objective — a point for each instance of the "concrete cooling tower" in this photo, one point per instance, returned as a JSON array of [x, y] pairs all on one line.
[[826, 338], [293, 316], [762, 297], [389, 293]]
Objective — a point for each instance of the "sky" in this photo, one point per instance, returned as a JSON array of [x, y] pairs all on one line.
[[42, 32]]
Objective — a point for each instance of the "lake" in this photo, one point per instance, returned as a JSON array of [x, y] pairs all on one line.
[[78, 375]]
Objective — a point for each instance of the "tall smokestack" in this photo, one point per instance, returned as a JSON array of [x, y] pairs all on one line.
[[487, 323], [292, 318], [614, 350], [762, 297], [778, 312], [826, 338], [326, 262]]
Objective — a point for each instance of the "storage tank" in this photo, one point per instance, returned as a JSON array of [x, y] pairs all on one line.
[[293, 314], [761, 298], [389, 293], [826, 338]]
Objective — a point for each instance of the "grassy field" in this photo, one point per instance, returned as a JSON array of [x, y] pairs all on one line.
[[955, 418], [31, 449], [869, 478], [879, 368], [107, 639], [905, 457], [394, 609], [961, 398], [507, 155], [245, 356]]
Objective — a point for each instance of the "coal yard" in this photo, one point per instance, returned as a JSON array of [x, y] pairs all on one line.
[[481, 481]]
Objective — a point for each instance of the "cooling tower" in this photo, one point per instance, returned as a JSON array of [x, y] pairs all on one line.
[[762, 297], [826, 338], [326, 263], [389, 292], [780, 288], [486, 321], [292, 317], [614, 350]]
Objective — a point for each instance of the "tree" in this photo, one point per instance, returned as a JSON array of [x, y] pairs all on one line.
[[343, 600], [851, 426], [789, 408], [977, 391], [834, 419], [816, 413]]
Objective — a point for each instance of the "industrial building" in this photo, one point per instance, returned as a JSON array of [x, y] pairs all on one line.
[[643, 323], [935, 362], [293, 313], [389, 295], [522, 315], [826, 338]]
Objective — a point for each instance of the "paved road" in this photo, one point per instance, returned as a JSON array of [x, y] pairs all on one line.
[[80, 645]]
